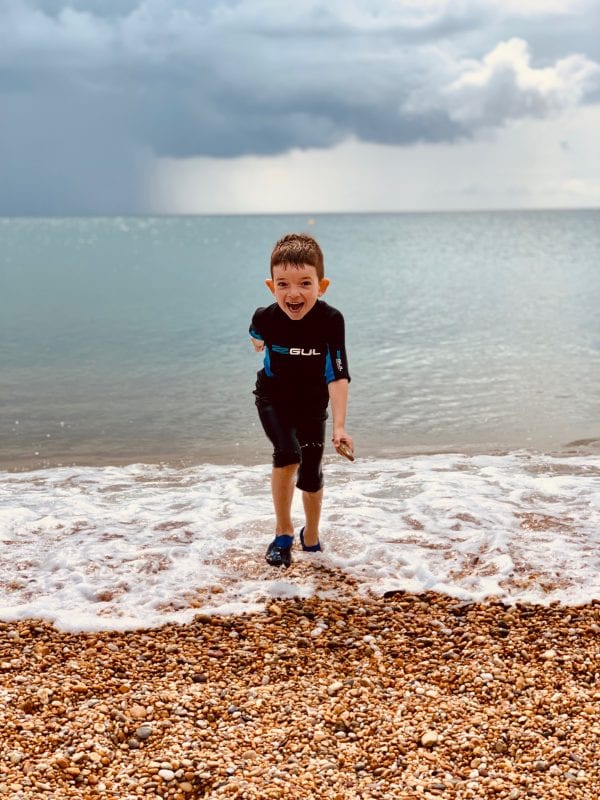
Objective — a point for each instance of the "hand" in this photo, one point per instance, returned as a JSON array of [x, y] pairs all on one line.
[[341, 437], [257, 344]]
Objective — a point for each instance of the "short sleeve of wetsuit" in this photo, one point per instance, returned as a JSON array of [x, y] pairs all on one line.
[[255, 325], [336, 361]]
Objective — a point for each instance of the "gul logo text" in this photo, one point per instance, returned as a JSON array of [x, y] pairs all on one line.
[[299, 351]]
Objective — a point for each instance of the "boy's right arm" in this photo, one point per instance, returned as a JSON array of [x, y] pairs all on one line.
[[338, 395], [255, 335]]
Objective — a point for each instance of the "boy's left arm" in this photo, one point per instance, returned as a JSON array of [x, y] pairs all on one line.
[[338, 396]]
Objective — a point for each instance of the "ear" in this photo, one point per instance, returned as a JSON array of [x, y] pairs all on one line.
[[323, 284], [270, 284]]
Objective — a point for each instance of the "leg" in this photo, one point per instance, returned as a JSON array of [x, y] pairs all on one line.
[[286, 457], [311, 436], [312, 502], [283, 481]]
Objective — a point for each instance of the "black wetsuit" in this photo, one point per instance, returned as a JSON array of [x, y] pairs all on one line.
[[301, 358]]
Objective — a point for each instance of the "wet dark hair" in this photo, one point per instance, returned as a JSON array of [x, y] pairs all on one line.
[[296, 249]]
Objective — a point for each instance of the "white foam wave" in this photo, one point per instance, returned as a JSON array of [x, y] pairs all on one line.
[[117, 548]]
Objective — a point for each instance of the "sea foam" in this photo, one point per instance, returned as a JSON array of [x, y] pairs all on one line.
[[136, 546]]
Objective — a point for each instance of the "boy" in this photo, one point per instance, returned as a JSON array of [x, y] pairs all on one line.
[[304, 368]]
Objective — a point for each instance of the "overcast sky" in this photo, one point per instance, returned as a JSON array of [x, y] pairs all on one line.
[[229, 106]]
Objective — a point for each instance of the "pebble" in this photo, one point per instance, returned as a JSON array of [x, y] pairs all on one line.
[[403, 695], [548, 655], [429, 739], [144, 732], [138, 712]]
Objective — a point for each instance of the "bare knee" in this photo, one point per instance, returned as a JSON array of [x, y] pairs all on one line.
[[288, 470]]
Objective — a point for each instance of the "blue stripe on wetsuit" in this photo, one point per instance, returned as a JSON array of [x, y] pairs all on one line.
[[267, 364], [329, 373]]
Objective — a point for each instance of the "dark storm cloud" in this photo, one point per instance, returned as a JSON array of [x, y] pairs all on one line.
[[91, 89], [65, 155]]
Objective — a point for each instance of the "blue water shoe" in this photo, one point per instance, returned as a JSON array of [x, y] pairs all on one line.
[[279, 552], [309, 548]]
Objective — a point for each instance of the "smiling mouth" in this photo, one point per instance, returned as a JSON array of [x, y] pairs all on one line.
[[295, 307]]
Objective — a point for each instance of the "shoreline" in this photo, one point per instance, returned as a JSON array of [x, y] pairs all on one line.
[[402, 696], [581, 447]]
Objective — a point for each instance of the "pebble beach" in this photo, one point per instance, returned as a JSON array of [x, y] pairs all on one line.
[[399, 696]]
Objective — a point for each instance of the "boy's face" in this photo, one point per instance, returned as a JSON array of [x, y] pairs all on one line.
[[296, 288]]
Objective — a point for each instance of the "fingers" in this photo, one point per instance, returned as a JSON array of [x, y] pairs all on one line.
[[342, 438], [344, 444], [344, 450]]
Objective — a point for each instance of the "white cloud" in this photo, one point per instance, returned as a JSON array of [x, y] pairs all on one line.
[[505, 86]]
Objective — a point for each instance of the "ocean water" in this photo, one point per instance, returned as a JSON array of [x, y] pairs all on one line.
[[134, 475]]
